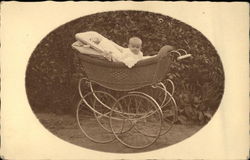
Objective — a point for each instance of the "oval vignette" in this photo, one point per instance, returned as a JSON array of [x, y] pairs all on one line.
[[53, 73]]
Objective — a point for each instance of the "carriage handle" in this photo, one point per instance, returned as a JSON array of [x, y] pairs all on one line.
[[182, 55]]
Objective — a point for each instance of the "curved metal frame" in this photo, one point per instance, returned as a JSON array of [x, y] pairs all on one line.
[[125, 115]]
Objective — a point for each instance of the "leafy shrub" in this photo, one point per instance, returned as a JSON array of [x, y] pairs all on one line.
[[53, 72]]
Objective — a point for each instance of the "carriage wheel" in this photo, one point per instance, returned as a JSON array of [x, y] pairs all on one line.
[[143, 115], [87, 120], [169, 109], [162, 96], [103, 103], [167, 102]]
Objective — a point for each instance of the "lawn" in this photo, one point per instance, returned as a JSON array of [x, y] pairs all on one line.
[[65, 127]]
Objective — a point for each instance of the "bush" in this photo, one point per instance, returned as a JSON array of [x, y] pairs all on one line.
[[53, 72]]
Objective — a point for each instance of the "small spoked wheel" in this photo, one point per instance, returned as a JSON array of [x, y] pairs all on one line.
[[139, 115]]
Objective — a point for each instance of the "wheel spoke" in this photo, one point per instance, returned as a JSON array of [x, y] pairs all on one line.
[[130, 138]]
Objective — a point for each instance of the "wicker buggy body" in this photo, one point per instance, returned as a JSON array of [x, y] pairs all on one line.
[[117, 76]]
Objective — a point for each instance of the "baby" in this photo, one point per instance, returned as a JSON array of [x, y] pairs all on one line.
[[135, 45], [132, 54], [113, 52]]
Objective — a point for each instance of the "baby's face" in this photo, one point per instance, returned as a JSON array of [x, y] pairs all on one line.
[[135, 47]]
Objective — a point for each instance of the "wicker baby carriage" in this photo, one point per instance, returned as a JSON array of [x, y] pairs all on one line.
[[117, 76], [136, 113]]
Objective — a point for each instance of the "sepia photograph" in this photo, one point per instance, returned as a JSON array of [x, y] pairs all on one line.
[[132, 80], [124, 80]]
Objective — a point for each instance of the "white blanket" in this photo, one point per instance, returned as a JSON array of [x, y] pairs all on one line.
[[115, 52]]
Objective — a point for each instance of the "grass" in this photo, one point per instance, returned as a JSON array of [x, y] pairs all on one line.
[[66, 128]]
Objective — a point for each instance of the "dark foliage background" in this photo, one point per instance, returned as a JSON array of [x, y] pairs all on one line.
[[53, 72]]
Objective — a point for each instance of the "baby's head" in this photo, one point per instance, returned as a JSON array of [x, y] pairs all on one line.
[[135, 44], [96, 40]]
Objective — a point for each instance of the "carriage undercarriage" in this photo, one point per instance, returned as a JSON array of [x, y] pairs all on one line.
[[136, 119]]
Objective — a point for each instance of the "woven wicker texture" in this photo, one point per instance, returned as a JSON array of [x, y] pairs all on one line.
[[117, 76]]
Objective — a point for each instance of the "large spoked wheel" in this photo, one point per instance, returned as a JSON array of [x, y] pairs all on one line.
[[168, 105], [102, 105], [141, 115], [165, 99], [93, 119]]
